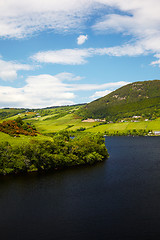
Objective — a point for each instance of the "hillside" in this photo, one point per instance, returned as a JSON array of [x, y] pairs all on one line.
[[138, 98]]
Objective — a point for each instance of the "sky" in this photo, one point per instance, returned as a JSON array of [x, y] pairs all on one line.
[[63, 52]]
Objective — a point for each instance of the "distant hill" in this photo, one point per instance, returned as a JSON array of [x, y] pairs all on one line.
[[138, 98]]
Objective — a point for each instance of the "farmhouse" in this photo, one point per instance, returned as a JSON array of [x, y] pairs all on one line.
[[157, 133], [89, 120], [136, 117]]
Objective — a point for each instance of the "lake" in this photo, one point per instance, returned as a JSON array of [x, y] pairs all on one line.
[[118, 199]]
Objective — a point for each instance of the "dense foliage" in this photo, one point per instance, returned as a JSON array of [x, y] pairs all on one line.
[[139, 98], [62, 152], [16, 127]]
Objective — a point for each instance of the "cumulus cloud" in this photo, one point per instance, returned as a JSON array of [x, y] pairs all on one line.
[[47, 90], [81, 39], [39, 91], [9, 69]]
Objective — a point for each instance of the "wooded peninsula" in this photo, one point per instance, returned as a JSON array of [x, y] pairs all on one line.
[[63, 151]]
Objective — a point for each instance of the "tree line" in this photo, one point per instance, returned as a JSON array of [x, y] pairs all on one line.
[[131, 132]]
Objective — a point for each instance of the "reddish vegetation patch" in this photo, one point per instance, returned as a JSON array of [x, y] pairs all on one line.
[[13, 128], [31, 113]]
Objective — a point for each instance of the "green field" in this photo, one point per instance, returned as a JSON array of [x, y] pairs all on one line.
[[67, 122], [65, 118], [153, 125], [22, 139]]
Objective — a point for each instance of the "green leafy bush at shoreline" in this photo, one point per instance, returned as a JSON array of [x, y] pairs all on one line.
[[49, 155]]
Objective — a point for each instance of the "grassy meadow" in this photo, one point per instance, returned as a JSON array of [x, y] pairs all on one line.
[[68, 122], [22, 139], [49, 121], [153, 125]]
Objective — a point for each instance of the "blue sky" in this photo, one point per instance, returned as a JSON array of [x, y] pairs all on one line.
[[67, 52]]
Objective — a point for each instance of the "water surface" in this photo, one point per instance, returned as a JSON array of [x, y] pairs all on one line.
[[116, 200]]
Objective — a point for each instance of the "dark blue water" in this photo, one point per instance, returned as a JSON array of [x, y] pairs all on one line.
[[116, 200]]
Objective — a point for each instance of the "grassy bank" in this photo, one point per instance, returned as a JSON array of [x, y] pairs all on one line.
[[153, 125]]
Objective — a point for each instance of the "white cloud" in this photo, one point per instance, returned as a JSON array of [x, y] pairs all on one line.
[[79, 56], [88, 87], [39, 91], [81, 39], [68, 77], [64, 56], [140, 20], [8, 70], [99, 94], [124, 50], [110, 87], [19, 19], [46, 90], [157, 62]]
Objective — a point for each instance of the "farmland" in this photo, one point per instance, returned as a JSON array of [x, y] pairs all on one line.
[[48, 122]]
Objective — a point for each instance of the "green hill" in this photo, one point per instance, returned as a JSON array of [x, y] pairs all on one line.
[[135, 99], [138, 98]]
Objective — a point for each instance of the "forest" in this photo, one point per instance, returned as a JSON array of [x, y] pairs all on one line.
[[63, 151]]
